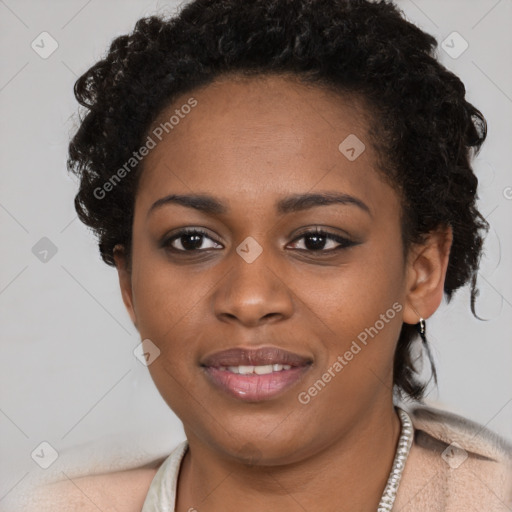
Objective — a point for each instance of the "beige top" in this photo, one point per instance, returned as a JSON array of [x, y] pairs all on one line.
[[161, 496], [454, 465]]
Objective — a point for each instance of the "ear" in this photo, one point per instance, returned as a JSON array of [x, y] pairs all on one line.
[[426, 271], [125, 280]]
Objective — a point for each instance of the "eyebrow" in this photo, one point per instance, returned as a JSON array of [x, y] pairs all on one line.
[[294, 203]]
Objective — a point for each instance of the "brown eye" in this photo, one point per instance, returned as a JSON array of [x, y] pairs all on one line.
[[322, 241], [189, 240]]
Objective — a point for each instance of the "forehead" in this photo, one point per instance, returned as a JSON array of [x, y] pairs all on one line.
[[260, 136]]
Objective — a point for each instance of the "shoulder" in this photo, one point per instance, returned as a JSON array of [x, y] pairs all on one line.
[[66, 488], [460, 460], [451, 428], [123, 491]]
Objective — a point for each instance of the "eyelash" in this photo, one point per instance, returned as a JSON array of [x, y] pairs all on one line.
[[344, 242]]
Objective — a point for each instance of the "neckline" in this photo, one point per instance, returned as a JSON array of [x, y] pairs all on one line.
[[161, 496]]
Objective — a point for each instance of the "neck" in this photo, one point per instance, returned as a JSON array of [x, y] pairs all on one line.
[[349, 474]]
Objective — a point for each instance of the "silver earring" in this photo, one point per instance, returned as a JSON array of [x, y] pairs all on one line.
[[422, 329]]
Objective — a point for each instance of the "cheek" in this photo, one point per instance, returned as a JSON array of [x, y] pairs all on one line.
[[155, 299], [172, 310], [161, 300], [361, 303], [159, 294]]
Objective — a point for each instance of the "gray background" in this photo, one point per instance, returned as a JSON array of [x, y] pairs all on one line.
[[68, 373]]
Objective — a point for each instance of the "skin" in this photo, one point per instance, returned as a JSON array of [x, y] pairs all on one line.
[[250, 143]]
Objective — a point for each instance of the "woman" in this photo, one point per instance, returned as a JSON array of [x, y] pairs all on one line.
[[285, 189]]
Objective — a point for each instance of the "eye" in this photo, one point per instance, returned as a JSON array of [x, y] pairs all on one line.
[[318, 240], [196, 239], [188, 240]]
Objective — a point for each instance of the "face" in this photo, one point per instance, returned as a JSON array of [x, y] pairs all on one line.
[[292, 258]]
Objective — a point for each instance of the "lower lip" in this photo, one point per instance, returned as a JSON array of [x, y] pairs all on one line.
[[252, 387]]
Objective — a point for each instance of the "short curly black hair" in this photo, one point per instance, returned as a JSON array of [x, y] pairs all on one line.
[[424, 130]]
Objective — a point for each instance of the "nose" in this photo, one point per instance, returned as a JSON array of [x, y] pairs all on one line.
[[253, 293]]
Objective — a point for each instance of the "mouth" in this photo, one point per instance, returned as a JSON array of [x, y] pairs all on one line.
[[255, 375]]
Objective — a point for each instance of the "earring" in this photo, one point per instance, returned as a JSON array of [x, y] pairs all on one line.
[[422, 328]]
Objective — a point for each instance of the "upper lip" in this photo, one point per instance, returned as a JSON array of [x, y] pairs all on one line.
[[254, 357]]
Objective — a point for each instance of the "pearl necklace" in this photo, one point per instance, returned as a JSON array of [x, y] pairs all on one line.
[[404, 446]]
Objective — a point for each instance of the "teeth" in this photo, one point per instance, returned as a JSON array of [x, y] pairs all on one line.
[[258, 370], [263, 370], [244, 370]]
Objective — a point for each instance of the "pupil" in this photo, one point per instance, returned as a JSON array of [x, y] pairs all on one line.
[[196, 243], [318, 242]]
